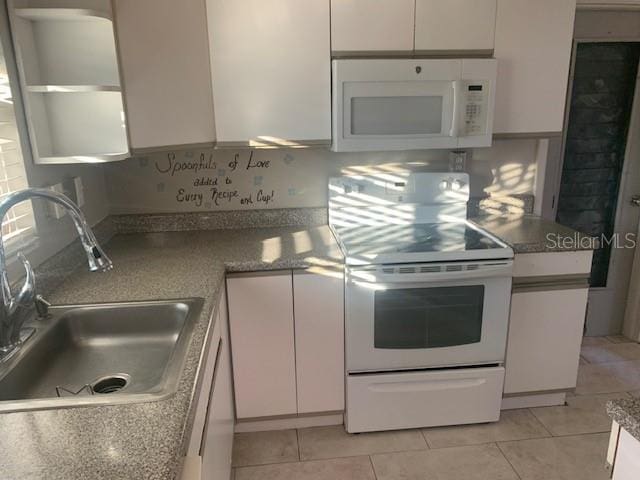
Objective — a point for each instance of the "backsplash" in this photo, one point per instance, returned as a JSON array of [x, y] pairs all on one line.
[[220, 180]]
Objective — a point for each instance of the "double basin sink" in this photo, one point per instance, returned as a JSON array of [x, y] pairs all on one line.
[[100, 354]]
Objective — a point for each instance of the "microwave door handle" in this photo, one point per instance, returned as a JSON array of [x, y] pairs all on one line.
[[457, 104]]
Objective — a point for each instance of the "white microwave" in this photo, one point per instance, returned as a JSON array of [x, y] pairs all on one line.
[[410, 104]]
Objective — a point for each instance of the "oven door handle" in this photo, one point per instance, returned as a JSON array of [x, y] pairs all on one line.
[[488, 271]]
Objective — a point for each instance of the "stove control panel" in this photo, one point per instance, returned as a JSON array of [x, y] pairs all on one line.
[[400, 188]]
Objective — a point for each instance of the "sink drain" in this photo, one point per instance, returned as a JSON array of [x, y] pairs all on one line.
[[110, 384]]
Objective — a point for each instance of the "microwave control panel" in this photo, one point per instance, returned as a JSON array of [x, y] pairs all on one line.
[[476, 99]]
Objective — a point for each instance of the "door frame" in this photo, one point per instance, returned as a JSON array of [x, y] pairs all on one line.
[[550, 205]]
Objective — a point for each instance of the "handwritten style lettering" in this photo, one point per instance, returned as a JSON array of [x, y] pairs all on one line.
[[171, 166]]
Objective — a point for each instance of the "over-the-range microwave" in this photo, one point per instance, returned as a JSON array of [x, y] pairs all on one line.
[[408, 104]]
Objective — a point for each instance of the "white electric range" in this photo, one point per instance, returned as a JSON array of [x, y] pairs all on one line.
[[427, 298]]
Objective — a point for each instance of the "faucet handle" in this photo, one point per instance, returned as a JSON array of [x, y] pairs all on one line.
[[42, 306]]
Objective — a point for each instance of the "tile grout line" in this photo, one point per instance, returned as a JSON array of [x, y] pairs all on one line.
[[540, 421], [373, 468], [504, 455], [426, 440], [298, 445]]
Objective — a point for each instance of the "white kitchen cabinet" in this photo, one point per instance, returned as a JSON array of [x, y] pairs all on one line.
[[164, 59], [372, 25], [533, 42], [270, 63], [608, 4], [627, 457], [319, 325], [545, 333], [455, 25], [211, 442], [217, 441], [287, 339], [263, 348]]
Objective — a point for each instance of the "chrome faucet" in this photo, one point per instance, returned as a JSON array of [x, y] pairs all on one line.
[[15, 310]]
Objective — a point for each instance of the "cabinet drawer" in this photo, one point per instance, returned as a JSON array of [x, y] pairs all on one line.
[[431, 398], [552, 264]]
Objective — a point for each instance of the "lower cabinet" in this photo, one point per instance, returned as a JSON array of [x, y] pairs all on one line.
[[548, 309], [217, 439], [287, 339], [545, 334], [262, 337], [211, 442], [626, 464]]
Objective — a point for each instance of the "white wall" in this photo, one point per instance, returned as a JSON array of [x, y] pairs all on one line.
[[291, 178], [53, 234]]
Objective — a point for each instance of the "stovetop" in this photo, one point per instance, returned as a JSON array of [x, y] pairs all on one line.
[[401, 217], [423, 242]]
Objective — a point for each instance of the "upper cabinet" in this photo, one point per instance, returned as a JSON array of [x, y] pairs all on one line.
[[608, 4], [455, 25], [270, 63], [397, 26], [533, 48], [68, 69], [164, 57], [372, 25]]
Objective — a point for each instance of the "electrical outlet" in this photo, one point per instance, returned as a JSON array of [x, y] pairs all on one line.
[[53, 209], [457, 160], [79, 188]]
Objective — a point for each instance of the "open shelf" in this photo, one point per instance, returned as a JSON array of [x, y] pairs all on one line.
[[78, 126], [67, 60], [75, 14], [72, 88]]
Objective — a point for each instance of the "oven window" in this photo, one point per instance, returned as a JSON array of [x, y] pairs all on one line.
[[428, 317]]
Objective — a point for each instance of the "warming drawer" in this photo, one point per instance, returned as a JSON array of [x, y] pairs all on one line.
[[423, 399]]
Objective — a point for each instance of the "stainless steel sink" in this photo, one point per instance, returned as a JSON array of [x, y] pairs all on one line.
[[100, 354]]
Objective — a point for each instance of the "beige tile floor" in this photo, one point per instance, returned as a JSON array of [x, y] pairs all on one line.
[[549, 443]]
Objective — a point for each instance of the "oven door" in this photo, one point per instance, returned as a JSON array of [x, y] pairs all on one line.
[[427, 315]]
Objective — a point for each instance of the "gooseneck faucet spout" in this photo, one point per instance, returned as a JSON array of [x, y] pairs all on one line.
[[14, 310]]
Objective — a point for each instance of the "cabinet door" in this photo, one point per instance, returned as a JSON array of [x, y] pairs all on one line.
[[262, 344], [627, 462], [319, 320], [455, 24], [533, 47], [372, 25], [165, 70], [545, 333], [217, 442], [271, 71]]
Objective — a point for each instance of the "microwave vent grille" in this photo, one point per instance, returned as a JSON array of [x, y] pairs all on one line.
[[472, 267], [454, 268]]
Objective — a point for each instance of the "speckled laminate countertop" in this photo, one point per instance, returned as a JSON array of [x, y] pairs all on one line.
[[532, 234], [148, 440], [627, 413]]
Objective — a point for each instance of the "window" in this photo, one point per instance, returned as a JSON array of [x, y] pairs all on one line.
[[20, 220]]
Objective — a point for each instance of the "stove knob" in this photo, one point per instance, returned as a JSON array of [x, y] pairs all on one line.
[[458, 185]]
